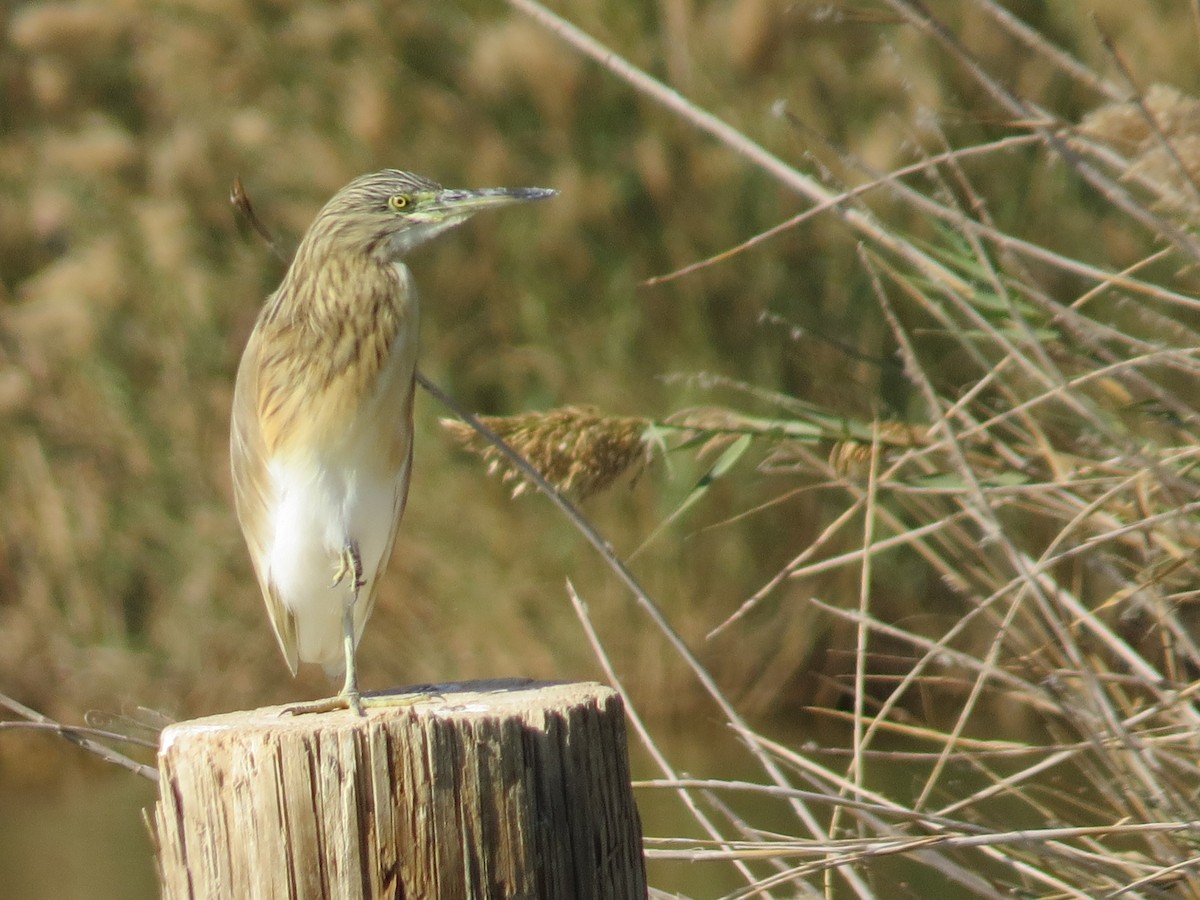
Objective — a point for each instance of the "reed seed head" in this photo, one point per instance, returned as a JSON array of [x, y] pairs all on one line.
[[577, 449]]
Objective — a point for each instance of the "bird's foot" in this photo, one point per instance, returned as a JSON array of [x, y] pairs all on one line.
[[348, 564], [345, 700], [361, 704]]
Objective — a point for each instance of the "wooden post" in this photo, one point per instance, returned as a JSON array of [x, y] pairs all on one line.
[[505, 789]]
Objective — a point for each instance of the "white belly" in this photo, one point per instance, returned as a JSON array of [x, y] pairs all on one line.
[[319, 509]]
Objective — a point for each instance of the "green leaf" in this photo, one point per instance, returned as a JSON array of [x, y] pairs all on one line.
[[724, 463]]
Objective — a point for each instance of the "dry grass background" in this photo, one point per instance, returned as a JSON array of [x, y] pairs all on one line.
[[1011, 437], [128, 292]]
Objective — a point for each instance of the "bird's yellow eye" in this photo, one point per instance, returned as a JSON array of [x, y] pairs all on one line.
[[398, 202]]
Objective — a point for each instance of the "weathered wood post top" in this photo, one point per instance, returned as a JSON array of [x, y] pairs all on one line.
[[500, 789]]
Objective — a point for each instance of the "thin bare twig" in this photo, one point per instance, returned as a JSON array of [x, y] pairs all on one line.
[[737, 141], [80, 737]]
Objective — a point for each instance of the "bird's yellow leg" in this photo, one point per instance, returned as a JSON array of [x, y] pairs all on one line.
[[349, 563], [350, 695]]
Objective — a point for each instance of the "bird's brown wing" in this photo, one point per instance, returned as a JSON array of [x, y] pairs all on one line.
[[253, 493]]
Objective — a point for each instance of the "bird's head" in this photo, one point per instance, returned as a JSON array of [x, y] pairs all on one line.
[[388, 213]]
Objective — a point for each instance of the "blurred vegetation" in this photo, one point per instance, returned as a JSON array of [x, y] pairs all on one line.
[[127, 293], [1036, 417]]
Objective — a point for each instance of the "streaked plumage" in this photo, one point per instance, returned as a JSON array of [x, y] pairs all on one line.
[[321, 442]]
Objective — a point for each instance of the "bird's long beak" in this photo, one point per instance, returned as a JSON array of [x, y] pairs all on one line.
[[443, 209], [468, 202]]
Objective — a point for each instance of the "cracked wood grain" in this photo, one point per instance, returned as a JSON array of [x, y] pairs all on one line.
[[503, 789]]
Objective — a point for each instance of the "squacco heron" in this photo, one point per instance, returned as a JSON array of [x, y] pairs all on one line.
[[322, 434]]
